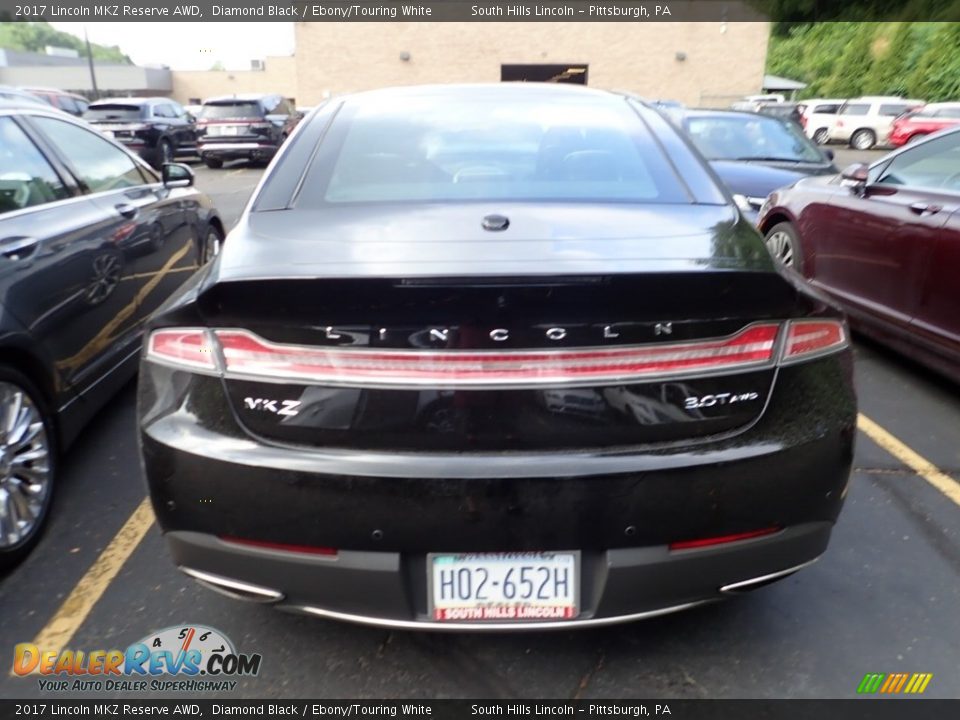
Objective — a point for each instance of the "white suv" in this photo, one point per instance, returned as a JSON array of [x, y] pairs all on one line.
[[817, 116], [866, 121]]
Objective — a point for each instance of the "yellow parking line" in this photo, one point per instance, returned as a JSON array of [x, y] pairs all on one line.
[[61, 627], [235, 171], [920, 465]]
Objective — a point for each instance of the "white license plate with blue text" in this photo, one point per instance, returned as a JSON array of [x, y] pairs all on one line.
[[504, 587]]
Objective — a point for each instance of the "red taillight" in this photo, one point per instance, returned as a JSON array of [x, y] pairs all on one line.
[[283, 547], [809, 338], [248, 355], [190, 347], [803, 121], [721, 539]]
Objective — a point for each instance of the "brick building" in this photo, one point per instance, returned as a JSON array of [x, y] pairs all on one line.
[[707, 63]]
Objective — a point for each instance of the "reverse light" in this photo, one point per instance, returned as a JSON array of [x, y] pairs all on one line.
[[185, 347], [247, 355], [807, 339]]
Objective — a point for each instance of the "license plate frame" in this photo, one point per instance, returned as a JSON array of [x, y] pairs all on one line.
[[504, 610]]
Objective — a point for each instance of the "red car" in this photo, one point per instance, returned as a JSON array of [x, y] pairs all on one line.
[[920, 123], [884, 241]]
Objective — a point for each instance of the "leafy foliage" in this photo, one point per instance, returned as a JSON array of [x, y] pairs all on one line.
[[845, 59], [35, 36]]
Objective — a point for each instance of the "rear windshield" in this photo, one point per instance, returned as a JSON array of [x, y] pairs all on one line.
[[735, 137], [483, 148], [231, 110], [114, 112]]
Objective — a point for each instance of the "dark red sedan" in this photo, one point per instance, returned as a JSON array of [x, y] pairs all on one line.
[[884, 241], [920, 123]]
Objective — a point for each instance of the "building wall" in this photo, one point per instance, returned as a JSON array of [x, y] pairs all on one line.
[[722, 61], [278, 76]]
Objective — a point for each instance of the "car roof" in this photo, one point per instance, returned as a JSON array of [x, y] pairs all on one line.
[[744, 114], [811, 101], [243, 97]]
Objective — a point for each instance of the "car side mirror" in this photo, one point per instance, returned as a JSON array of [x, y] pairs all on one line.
[[829, 154], [177, 175], [855, 176]]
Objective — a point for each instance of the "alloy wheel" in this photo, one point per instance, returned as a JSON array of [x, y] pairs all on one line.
[[25, 470], [106, 277], [780, 245], [820, 136], [211, 245]]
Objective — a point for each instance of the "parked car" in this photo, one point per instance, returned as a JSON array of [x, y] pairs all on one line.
[[752, 103], [866, 121], [785, 111], [490, 248], [68, 102], [92, 241], [249, 127], [920, 123], [884, 241], [752, 154], [817, 116], [157, 129], [13, 95]]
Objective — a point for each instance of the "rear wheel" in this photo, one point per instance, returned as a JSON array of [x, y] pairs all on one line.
[[27, 466], [213, 163], [820, 136], [784, 245], [211, 244], [863, 139]]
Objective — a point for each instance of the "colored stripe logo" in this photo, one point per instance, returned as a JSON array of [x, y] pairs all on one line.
[[894, 683]]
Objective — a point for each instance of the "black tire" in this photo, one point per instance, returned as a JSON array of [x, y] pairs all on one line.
[[213, 163], [863, 139], [13, 553], [820, 136], [783, 242], [212, 243]]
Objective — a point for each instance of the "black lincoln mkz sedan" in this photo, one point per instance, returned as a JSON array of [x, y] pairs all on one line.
[[92, 241], [494, 357]]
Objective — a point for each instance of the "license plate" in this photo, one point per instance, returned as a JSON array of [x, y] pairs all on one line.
[[229, 130], [505, 587]]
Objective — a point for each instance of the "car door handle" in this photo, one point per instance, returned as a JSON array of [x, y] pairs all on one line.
[[16, 248], [924, 209], [127, 210]]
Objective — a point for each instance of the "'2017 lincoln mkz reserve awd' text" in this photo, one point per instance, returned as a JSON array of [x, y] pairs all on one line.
[[489, 357]]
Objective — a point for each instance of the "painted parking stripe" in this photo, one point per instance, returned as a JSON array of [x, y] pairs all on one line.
[[919, 464], [85, 594]]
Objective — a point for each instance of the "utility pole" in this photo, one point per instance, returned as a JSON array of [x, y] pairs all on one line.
[[93, 74]]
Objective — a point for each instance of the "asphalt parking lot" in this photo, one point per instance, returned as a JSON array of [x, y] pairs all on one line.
[[883, 599]]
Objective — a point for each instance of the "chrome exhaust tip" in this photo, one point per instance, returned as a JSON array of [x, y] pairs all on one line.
[[758, 582], [234, 588]]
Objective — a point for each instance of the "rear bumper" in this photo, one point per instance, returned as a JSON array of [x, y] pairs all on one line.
[[384, 512], [233, 150], [388, 589]]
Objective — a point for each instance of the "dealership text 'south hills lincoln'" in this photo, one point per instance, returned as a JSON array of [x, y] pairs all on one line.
[[494, 356]]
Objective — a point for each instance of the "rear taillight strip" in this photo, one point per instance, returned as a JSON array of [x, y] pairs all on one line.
[[247, 355], [243, 354]]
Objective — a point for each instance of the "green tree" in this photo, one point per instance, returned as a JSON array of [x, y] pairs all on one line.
[[35, 36], [937, 73]]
